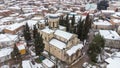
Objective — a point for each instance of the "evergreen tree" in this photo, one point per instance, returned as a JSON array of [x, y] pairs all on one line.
[[16, 54], [80, 28], [72, 27], [95, 48], [42, 44], [34, 31], [73, 21], [26, 33], [86, 27], [67, 24], [75, 30], [60, 20], [102, 5], [90, 23], [39, 45]]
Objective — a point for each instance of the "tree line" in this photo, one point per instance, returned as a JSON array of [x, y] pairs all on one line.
[[81, 28], [28, 36]]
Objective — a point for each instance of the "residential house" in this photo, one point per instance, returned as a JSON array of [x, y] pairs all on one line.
[[5, 54], [48, 64], [102, 24], [31, 64], [7, 21], [112, 39], [14, 28], [107, 13], [21, 47], [113, 61], [14, 8], [116, 15], [113, 5], [5, 13], [27, 15], [7, 40]]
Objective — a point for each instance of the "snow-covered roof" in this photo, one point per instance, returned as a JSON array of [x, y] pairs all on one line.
[[5, 66], [14, 7], [15, 14], [38, 65], [116, 20], [74, 49], [4, 11], [72, 13], [116, 14], [109, 34], [37, 18], [63, 34], [30, 23], [48, 63], [102, 22], [7, 37], [2, 27], [61, 27], [28, 14], [41, 21], [21, 45], [53, 15], [26, 64], [116, 54], [57, 43], [107, 11], [19, 19], [5, 51], [91, 6], [14, 26], [47, 30], [6, 19], [113, 62]]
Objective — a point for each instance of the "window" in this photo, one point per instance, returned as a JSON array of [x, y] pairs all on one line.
[[77, 53], [53, 24]]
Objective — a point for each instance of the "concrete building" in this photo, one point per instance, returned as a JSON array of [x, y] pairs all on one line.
[[5, 54], [14, 28], [112, 39], [21, 47], [102, 24], [63, 45], [7, 40]]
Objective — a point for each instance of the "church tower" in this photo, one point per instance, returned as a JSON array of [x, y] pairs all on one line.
[[53, 21]]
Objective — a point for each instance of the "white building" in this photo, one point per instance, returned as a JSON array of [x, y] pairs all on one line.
[[113, 61], [112, 39], [29, 64], [5, 54], [102, 24], [7, 40], [48, 64]]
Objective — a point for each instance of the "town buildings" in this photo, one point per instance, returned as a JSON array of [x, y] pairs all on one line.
[[60, 44], [63, 45]]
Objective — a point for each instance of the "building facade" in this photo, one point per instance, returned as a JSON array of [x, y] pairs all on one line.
[[63, 45]]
